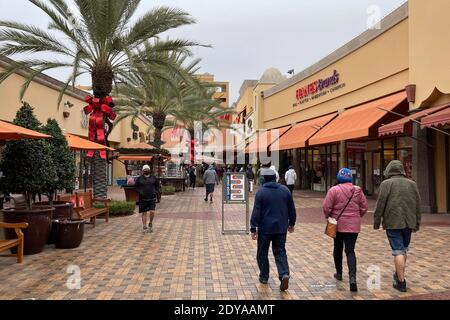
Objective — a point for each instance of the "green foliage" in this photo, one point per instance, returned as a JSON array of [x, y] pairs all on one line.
[[119, 208], [167, 190], [62, 158], [27, 164]]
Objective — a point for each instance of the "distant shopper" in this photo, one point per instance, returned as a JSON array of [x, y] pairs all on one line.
[[398, 207], [192, 177], [290, 177], [130, 180], [250, 177], [347, 204], [276, 173], [147, 186], [273, 216], [210, 179]]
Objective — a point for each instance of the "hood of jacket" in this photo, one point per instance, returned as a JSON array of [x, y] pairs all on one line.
[[394, 168], [272, 185]]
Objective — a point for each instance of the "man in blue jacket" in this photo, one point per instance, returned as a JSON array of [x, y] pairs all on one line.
[[273, 216]]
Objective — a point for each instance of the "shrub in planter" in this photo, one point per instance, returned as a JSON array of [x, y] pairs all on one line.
[[167, 190], [199, 183], [119, 208], [28, 169]]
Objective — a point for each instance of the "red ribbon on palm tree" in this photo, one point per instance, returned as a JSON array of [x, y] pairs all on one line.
[[99, 110]]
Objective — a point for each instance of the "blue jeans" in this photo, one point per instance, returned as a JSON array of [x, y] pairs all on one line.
[[279, 252], [399, 240]]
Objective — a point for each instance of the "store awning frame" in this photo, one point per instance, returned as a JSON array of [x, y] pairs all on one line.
[[77, 143], [265, 138], [360, 121], [135, 158], [404, 125], [300, 133], [439, 118]]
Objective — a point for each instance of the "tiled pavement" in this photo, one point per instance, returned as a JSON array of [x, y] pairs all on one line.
[[187, 257]]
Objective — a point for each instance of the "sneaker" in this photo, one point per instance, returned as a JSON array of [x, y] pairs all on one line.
[[338, 276], [284, 283], [353, 285], [263, 281], [211, 200], [206, 199], [145, 230], [150, 228], [400, 286]]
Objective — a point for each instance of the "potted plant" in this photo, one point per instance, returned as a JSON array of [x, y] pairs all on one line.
[[28, 168], [65, 171], [69, 233]]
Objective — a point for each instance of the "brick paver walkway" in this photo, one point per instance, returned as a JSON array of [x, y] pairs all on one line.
[[187, 257]]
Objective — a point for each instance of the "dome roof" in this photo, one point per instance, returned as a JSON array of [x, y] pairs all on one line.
[[272, 75]]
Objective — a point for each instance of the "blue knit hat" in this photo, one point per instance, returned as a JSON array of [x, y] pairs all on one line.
[[344, 175]]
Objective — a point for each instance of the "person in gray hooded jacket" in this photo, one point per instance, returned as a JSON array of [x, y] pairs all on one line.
[[398, 208], [210, 179]]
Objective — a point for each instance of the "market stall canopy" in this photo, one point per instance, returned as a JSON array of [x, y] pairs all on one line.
[[404, 125], [440, 118], [10, 131], [298, 136], [265, 138], [135, 158], [357, 122], [77, 143]]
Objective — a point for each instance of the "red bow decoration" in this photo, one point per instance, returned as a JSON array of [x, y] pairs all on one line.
[[99, 109]]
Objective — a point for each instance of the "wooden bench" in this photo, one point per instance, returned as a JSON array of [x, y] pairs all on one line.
[[19, 242], [84, 206]]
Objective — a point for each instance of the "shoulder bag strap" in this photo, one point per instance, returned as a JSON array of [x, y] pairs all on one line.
[[348, 202]]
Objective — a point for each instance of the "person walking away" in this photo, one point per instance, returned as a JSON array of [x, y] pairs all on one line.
[[250, 177], [398, 209], [276, 173], [272, 217], [259, 174], [147, 186], [192, 177], [347, 204], [290, 177], [210, 179]]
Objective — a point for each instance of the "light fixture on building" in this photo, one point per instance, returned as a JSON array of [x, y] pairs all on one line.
[[291, 72], [411, 92], [67, 106]]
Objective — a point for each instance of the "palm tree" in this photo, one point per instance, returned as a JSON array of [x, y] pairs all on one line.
[[158, 92], [200, 113], [99, 37]]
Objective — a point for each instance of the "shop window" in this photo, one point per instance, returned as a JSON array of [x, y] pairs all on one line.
[[405, 156], [404, 142], [373, 145]]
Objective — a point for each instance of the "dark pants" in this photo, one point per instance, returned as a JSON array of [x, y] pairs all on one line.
[[291, 188], [192, 182], [279, 252], [347, 240]]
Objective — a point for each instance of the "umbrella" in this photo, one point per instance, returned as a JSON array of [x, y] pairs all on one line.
[[77, 143], [10, 131]]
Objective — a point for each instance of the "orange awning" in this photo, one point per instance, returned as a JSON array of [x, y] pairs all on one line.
[[301, 132], [356, 122], [77, 143], [141, 145], [135, 158], [10, 131], [264, 139], [440, 118], [405, 124]]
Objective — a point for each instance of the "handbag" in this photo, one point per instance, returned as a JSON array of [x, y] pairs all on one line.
[[331, 227]]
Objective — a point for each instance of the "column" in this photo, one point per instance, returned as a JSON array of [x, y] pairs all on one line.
[[422, 162], [296, 164], [342, 154]]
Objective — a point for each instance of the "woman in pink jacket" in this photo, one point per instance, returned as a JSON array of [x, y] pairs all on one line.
[[347, 204]]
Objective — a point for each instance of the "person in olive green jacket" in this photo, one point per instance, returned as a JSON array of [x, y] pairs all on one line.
[[398, 206]]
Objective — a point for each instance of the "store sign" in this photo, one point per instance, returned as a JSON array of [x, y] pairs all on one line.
[[318, 88], [235, 188], [357, 146]]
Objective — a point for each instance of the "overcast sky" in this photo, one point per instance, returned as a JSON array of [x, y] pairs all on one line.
[[249, 36]]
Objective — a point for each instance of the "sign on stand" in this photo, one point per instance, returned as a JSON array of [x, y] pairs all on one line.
[[235, 191]]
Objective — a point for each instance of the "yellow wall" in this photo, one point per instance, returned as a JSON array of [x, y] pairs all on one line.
[[44, 101], [246, 101], [378, 68], [429, 48]]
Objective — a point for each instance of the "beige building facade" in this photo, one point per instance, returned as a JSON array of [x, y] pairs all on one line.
[[351, 96]]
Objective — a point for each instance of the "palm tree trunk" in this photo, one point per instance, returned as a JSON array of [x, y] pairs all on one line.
[[102, 79], [159, 119]]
